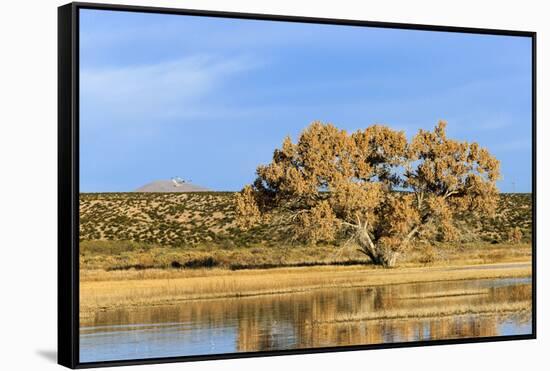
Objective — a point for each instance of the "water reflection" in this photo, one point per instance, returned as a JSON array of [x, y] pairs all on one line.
[[321, 318]]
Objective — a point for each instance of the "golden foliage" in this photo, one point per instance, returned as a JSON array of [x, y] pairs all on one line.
[[400, 215], [462, 173], [246, 208], [375, 184], [351, 200], [317, 224]]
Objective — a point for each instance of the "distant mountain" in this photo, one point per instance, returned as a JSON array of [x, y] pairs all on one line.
[[165, 186]]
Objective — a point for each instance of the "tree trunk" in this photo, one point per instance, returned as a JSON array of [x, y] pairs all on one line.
[[378, 254]]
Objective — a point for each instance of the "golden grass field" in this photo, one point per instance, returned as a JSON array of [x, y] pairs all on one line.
[[127, 256]]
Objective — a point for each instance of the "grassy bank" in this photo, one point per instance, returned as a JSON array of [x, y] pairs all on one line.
[[126, 255], [105, 290]]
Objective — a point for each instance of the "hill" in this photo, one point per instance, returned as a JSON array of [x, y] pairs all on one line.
[[184, 219], [194, 230], [170, 186]]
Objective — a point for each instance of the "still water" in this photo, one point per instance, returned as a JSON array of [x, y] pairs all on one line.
[[333, 317]]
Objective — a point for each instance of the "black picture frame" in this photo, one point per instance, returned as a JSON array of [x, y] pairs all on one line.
[[68, 180]]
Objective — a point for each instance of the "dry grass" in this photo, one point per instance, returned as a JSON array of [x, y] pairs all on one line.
[[125, 255], [106, 290]]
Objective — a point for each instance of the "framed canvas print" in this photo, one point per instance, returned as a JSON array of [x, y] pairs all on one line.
[[237, 185]]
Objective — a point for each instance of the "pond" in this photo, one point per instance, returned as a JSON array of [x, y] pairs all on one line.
[[320, 318]]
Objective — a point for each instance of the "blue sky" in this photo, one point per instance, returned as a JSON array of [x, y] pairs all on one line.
[[208, 99]]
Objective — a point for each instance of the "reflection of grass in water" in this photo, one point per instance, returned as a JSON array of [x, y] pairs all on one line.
[[261, 318], [109, 294], [433, 312], [446, 294], [414, 329]]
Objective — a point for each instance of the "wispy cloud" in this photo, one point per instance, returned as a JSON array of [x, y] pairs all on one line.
[[157, 91]]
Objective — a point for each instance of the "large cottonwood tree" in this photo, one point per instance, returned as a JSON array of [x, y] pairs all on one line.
[[374, 185]]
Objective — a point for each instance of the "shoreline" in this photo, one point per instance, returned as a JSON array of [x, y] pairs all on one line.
[[171, 288]]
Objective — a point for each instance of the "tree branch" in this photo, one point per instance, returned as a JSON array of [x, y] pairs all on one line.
[[450, 193], [349, 224], [411, 233]]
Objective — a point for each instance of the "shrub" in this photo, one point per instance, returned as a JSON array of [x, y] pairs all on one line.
[[515, 235], [429, 255]]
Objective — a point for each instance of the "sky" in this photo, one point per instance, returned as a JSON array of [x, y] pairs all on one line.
[[209, 99]]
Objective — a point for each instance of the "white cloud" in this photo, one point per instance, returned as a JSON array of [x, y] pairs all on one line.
[[155, 91]]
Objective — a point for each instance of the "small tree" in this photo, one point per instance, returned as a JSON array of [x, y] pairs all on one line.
[[374, 185]]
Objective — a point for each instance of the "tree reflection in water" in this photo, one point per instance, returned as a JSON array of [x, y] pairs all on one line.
[[373, 315]]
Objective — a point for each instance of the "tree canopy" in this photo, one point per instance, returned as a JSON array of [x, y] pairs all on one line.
[[374, 185]]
